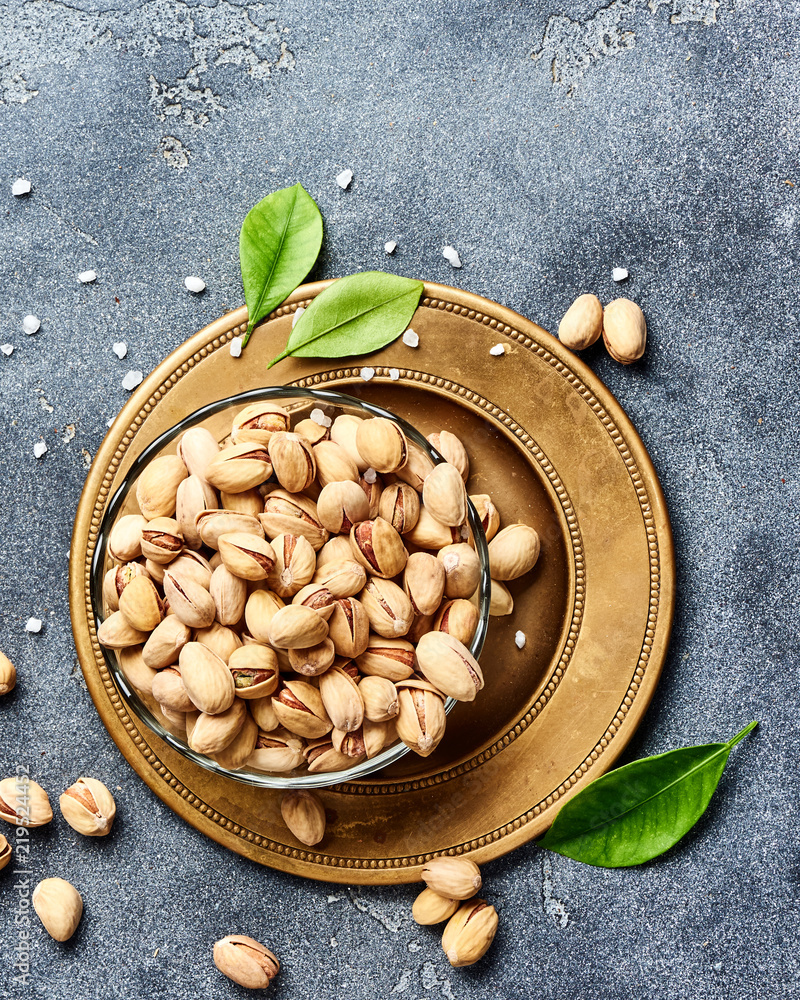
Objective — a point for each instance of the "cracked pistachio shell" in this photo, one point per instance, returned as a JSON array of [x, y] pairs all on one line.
[[417, 468], [390, 658], [24, 802], [304, 815], [458, 618], [117, 579], [247, 556], [300, 709], [316, 596], [196, 448], [399, 505], [322, 757], [293, 515], [388, 607], [431, 908], [379, 548], [209, 734], [255, 671], [488, 514], [469, 933], [140, 604], [229, 594], [292, 461], [423, 582], [88, 807], [238, 468], [448, 665], [352, 744], [169, 691], [343, 431], [5, 852], [295, 563], [276, 750], [8, 675], [380, 698], [297, 627], [454, 877], [211, 524], [116, 632], [165, 643], [125, 539], [206, 678], [513, 552], [341, 505], [382, 444], [194, 496], [245, 961], [348, 627], [189, 602], [59, 906], [624, 331], [131, 663], [190, 565], [258, 422], [334, 464], [421, 717], [237, 752], [445, 496], [220, 640], [582, 323], [311, 431], [462, 569], [157, 486], [162, 540], [314, 660], [342, 700], [342, 577], [373, 492], [452, 451]]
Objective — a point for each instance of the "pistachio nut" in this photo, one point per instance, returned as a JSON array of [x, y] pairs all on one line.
[[300, 709], [258, 422], [206, 678], [297, 627], [452, 451], [190, 565], [423, 582], [316, 596], [500, 602], [334, 464], [448, 665], [421, 717], [322, 757], [488, 514], [245, 961], [295, 563], [292, 461], [431, 908], [165, 643], [382, 444], [351, 744], [343, 431], [24, 802], [399, 505], [388, 607], [117, 579], [237, 752], [209, 734], [247, 556], [88, 807], [420, 625], [343, 577], [334, 550], [264, 714], [259, 610], [341, 505], [220, 639], [377, 735], [293, 515], [59, 906], [379, 696], [5, 852], [169, 691], [453, 877], [311, 431], [277, 750], [304, 815], [175, 722], [8, 675], [211, 524], [458, 618], [162, 540], [116, 632], [314, 660], [428, 533], [445, 496], [379, 548], [462, 569], [189, 601], [255, 671], [241, 467], [131, 663], [342, 700], [229, 594], [125, 538], [140, 604], [194, 496], [469, 933], [196, 448], [247, 502], [582, 323], [373, 491], [389, 658], [513, 552], [624, 331], [417, 468], [157, 486], [348, 627]]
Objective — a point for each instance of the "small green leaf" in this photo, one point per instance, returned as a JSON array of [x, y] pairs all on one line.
[[637, 812], [278, 245], [354, 315]]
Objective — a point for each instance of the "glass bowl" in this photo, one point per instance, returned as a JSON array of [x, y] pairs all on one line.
[[217, 417]]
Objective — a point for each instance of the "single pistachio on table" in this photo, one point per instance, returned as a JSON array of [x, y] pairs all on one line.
[[247, 556], [379, 696], [207, 679], [23, 802], [258, 422], [430, 908], [89, 807], [255, 671], [448, 664], [8, 675], [294, 566], [285, 513], [469, 933], [488, 514], [582, 323], [453, 877], [190, 602], [194, 496], [210, 734], [245, 961], [169, 691], [240, 467], [424, 582], [125, 538], [157, 486], [348, 627], [59, 906], [334, 464], [5, 852], [292, 461], [445, 496], [389, 658], [300, 709], [341, 504], [165, 643], [379, 548], [211, 524], [195, 449], [421, 717], [342, 700], [388, 607], [304, 815], [452, 451], [140, 604], [382, 444], [513, 552], [624, 331]]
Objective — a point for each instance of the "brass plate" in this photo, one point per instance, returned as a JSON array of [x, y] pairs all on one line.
[[555, 449]]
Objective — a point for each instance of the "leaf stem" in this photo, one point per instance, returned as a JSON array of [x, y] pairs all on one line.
[[740, 736]]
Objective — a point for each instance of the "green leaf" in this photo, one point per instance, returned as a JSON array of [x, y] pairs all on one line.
[[278, 245], [639, 811], [354, 315]]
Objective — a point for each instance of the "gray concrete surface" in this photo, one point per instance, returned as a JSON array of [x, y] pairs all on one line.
[[548, 142]]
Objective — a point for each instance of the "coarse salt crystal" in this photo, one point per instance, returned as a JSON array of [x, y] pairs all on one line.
[[370, 475], [87, 277], [20, 186], [410, 338], [131, 380], [7, 349], [344, 178], [297, 314], [520, 639], [30, 324], [464, 532], [451, 255], [110, 421], [390, 246], [39, 449], [120, 349], [367, 373], [320, 417], [236, 347], [497, 350], [394, 374], [194, 284], [33, 625], [619, 274]]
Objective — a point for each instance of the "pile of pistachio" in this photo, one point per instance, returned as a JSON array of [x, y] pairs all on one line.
[[302, 597]]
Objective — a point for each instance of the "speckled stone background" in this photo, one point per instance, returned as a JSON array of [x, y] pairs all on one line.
[[548, 142]]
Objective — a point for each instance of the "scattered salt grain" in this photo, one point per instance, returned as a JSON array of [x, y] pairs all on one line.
[[7, 349], [30, 324], [394, 374], [236, 347], [619, 274], [451, 254], [87, 277], [120, 349], [344, 178], [194, 284], [131, 380], [370, 475], [297, 314], [110, 421], [497, 350], [20, 186], [520, 639], [319, 417], [410, 338], [391, 246], [33, 625], [39, 449], [367, 373]]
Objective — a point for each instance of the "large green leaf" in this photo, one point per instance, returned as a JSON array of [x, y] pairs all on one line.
[[354, 315], [278, 245], [639, 811]]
